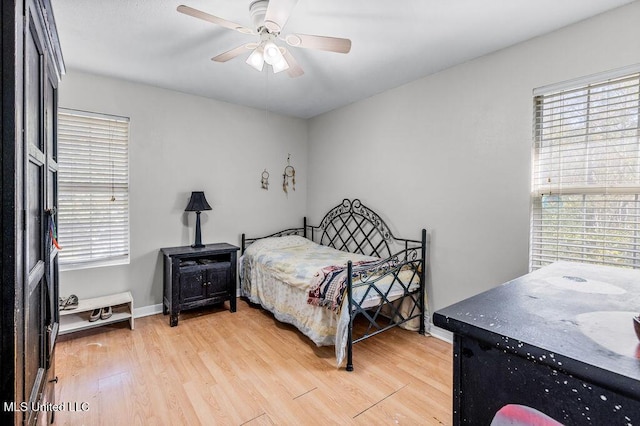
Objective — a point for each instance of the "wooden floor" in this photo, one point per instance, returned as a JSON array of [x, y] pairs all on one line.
[[246, 368]]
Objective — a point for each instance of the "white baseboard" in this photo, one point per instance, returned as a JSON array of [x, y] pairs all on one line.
[[441, 334], [145, 311]]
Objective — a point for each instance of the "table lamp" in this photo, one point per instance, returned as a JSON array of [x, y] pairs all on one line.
[[197, 203]]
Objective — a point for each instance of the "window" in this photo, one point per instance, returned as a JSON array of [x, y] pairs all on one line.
[[93, 189], [586, 172]]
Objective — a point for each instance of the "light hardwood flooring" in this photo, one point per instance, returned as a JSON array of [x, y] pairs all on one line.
[[246, 368]]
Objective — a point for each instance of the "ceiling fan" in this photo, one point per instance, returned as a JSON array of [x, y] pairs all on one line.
[[269, 18]]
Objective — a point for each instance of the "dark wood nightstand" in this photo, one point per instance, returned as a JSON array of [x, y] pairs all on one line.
[[195, 277]]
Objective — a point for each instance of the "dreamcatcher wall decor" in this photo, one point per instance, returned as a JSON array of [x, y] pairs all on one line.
[[265, 180], [289, 173]]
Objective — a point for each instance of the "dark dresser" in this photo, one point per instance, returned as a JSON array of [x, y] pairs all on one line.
[[195, 277], [558, 342]]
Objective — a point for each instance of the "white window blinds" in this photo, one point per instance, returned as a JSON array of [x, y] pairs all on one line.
[[93, 189], [586, 174]]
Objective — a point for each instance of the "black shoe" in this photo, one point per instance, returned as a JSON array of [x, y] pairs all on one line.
[[106, 313], [95, 315]]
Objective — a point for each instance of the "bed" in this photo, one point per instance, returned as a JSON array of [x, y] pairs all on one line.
[[321, 278]]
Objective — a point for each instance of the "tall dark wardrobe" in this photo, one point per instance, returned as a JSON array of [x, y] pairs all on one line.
[[31, 67]]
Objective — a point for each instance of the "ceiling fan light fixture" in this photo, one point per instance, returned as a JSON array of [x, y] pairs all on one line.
[[280, 65], [256, 59], [272, 53], [269, 18]]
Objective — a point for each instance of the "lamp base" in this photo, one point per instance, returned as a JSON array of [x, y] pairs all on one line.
[[198, 242]]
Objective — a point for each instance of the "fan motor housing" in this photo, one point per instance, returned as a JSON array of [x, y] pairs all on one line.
[[258, 10]]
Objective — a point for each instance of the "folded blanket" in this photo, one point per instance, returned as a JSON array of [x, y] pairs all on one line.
[[330, 283]]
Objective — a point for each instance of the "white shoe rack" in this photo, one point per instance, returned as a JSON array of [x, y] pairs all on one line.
[[78, 319]]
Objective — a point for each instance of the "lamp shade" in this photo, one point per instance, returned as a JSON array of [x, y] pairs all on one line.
[[197, 202]]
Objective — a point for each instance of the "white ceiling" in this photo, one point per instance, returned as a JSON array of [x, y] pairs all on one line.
[[393, 42]]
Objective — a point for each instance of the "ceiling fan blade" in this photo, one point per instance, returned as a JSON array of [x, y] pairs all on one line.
[[295, 70], [278, 13], [224, 57], [213, 19], [330, 44]]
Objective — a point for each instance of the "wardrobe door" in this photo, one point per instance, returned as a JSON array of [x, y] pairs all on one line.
[[31, 65], [35, 334]]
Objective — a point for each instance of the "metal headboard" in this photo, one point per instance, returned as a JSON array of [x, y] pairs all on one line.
[[353, 227]]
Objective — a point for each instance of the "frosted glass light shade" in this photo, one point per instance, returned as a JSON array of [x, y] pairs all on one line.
[[280, 65], [271, 53], [256, 59]]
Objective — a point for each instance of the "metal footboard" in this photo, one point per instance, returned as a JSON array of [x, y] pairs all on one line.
[[387, 313]]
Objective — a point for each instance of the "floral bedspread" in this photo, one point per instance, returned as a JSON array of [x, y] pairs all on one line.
[[295, 260], [292, 260]]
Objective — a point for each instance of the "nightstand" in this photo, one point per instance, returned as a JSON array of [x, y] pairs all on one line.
[[195, 277]]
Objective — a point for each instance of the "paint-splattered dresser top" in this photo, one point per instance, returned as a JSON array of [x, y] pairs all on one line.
[[571, 319]]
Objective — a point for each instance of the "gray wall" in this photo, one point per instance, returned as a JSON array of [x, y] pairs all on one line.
[[451, 151], [181, 143]]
